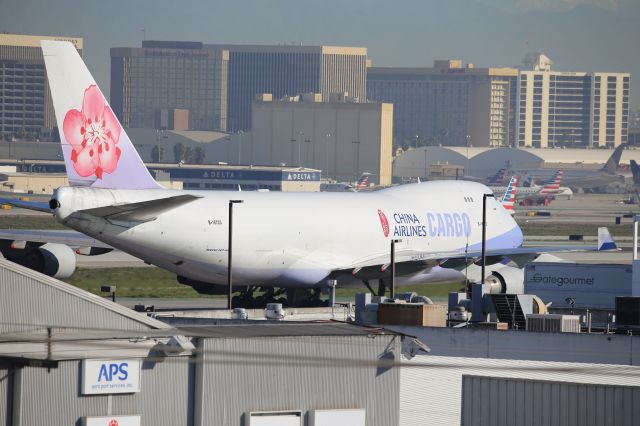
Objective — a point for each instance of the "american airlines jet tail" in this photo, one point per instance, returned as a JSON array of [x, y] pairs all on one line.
[[509, 199], [552, 186], [287, 240]]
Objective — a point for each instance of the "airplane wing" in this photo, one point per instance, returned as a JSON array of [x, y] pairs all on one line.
[[144, 211], [81, 243], [411, 261], [29, 205]]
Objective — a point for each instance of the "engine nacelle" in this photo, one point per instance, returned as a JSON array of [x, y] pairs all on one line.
[[202, 287], [508, 280], [59, 260], [55, 260]]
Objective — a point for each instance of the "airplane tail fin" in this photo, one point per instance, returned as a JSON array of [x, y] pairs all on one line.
[[509, 198], [611, 166], [605, 240], [97, 151], [363, 181], [635, 169], [498, 178], [553, 184]]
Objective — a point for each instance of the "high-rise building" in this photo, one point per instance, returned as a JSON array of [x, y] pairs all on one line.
[[574, 109], [164, 76], [289, 70], [449, 104], [26, 108]]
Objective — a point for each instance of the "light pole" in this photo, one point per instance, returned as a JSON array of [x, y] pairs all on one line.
[[240, 135], [306, 157], [326, 152], [229, 251], [293, 147], [300, 136], [393, 267], [466, 172], [426, 166], [357, 164], [484, 232]]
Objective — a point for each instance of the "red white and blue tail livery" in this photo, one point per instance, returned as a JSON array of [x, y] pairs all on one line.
[[509, 198]]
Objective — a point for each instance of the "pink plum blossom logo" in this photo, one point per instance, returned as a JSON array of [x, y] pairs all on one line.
[[93, 134], [384, 223]]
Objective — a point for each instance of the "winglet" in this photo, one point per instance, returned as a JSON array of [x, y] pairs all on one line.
[[605, 241]]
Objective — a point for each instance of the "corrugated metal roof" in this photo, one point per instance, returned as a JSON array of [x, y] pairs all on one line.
[[281, 329], [21, 305]]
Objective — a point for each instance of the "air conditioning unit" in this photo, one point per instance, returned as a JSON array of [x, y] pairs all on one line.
[[627, 313], [549, 323]]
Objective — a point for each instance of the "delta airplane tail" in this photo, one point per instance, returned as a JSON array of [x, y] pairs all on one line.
[[611, 166], [509, 198], [635, 169], [498, 178], [97, 151], [530, 182]]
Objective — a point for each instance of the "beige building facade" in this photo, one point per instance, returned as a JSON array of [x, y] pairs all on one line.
[[572, 109], [286, 70], [32, 183], [448, 104], [26, 108], [343, 139]]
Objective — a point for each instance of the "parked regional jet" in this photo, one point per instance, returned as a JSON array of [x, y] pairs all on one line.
[[345, 186], [551, 187], [291, 240]]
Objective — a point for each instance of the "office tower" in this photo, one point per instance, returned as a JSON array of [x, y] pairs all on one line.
[[448, 104], [289, 70], [26, 109], [153, 82]]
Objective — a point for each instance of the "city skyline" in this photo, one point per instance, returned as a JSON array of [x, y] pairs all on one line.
[[587, 35]]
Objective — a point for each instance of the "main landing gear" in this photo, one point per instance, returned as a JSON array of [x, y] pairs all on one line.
[[255, 297]]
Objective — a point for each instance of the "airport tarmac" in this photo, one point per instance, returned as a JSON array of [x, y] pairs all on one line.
[[582, 208]]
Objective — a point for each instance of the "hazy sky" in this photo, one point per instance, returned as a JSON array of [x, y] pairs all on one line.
[[579, 35]]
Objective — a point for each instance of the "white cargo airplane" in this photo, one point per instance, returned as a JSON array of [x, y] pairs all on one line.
[[287, 240]]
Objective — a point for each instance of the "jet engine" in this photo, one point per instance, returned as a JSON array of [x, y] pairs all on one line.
[[508, 280], [55, 260]]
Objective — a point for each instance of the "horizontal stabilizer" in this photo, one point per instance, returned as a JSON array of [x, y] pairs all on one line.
[[144, 211], [29, 205]]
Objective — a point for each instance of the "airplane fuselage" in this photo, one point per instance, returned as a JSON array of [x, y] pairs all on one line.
[[295, 239]]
